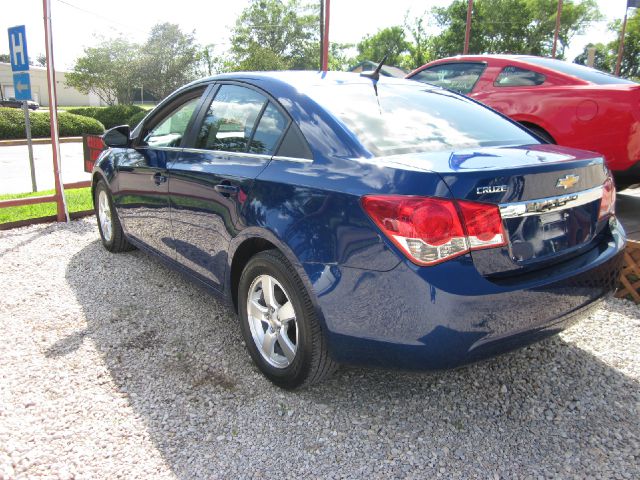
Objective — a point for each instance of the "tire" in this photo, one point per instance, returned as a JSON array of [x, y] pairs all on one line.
[[111, 233], [310, 362], [541, 133]]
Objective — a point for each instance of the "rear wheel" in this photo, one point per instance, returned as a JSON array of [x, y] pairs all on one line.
[[540, 132], [279, 324], [113, 237]]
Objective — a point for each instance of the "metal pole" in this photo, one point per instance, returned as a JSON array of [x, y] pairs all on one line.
[[467, 33], [27, 124], [325, 51], [61, 201], [321, 33], [557, 32], [621, 46]]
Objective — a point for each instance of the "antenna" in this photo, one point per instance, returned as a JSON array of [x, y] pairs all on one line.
[[375, 75]]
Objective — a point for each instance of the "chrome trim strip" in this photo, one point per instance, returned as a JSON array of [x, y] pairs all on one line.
[[168, 149], [224, 153], [550, 204], [292, 159]]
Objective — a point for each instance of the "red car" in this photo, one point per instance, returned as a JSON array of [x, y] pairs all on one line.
[[561, 102]]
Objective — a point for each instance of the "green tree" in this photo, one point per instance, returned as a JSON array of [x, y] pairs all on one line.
[[603, 59], [4, 58], [110, 70], [169, 59], [338, 58], [210, 63], [387, 41], [420, 42], [630, 67], [274, 35], [510, 26]]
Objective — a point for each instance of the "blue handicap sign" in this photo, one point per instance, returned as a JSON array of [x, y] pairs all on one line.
[[22, 86], [18, 49]]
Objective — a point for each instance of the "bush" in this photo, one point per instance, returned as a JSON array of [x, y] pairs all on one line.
[[69, 125], [134, 120], [108, 116]]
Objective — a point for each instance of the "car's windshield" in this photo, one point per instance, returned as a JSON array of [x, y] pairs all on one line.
[[407, 118], [579, 71]]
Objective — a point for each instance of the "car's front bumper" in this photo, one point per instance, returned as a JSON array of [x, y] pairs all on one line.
[[448, 315]]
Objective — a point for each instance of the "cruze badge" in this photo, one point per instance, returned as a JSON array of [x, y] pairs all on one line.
[[567, 181], [491, 189]]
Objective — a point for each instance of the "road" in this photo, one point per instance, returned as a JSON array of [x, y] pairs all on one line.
[[14, 165]]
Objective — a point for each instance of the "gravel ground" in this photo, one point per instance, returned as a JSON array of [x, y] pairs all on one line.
[[113, 366]]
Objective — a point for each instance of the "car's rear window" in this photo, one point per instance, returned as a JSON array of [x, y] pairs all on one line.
[[579, 71], [407, 118]]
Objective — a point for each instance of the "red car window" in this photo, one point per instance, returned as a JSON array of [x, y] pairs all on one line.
[[460, 77], [512, 76]]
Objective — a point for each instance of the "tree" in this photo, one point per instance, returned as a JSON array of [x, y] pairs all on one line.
[[169, 60], [603, 59], [387, 41], [338, 59], [630, 67], [110, 70], [41, 60], [209, 63], [274, 35], [510, 26], [5, 58], [419, 47]]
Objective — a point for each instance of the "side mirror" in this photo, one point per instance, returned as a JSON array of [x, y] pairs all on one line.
[[117, 137]]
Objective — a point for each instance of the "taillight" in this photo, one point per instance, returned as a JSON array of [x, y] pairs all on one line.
[[431, 230], [608, 202]]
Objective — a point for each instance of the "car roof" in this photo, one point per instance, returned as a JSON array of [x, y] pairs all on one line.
[[297, 78]]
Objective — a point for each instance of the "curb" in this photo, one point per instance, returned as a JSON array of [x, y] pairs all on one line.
[[37, 141]]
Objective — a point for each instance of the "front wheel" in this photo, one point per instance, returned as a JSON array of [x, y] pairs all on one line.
[[279, 323]]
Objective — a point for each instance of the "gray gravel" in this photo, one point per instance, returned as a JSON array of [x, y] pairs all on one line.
[[113, 366]]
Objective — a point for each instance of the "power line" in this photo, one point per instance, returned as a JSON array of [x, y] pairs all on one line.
[[95, 14]]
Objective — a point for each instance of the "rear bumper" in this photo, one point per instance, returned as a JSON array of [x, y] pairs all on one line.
[[448, 315]]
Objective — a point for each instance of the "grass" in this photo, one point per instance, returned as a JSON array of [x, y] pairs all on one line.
[[77, 201]]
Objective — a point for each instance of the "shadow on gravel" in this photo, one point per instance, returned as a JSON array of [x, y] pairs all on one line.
[[32, 236], [178, 355]]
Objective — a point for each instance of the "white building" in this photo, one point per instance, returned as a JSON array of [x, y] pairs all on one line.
[[67, 96]]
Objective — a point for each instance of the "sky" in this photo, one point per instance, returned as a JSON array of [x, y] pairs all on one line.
[[82, 23]]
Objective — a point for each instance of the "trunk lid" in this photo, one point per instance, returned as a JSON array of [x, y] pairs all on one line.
[[549, 199]]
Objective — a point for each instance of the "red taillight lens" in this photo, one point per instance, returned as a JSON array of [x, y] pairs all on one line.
[[608, 202], [430, 230], [484, 225]]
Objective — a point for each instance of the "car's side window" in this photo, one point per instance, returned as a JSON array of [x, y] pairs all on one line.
[[269, 130], [512, 76], [459, 77], [230, 119], [169, 132]]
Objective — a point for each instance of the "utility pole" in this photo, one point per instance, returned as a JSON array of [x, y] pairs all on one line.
[[467, 33], [557, 32]]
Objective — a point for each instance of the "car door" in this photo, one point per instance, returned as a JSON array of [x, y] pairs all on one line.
[[233, 139], [141, 191]]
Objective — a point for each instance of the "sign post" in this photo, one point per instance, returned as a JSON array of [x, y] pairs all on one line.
[[22, 84]]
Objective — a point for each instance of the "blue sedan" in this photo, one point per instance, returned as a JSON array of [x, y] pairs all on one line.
[[356, 220]]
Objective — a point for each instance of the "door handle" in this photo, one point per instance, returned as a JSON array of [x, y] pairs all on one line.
[[159, 178], [226, 189]]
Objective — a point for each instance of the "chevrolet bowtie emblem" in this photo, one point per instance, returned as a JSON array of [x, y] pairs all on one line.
[[567, 181]]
